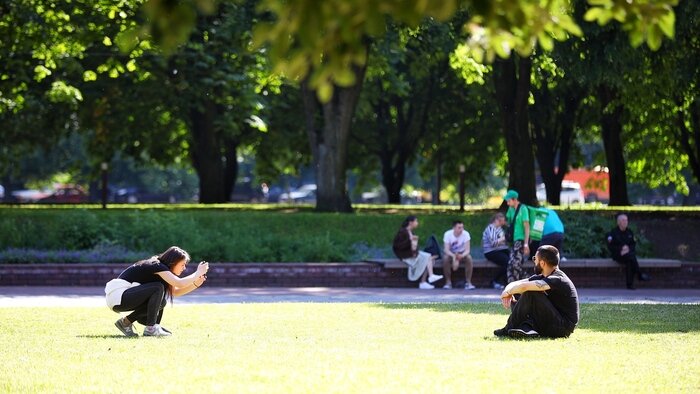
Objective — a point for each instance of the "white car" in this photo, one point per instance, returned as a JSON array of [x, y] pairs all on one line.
[[305, 193], [571, 193]]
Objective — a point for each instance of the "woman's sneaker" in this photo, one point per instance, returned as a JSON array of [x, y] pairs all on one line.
[[126, 330], [155, 331], [425, 286], [434, 278]]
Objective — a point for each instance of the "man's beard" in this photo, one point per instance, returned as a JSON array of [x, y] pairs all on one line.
[[538, 269]]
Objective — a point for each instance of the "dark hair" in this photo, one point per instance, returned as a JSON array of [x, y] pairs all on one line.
[[496, 216], [456, 222], [170, 257], [409, 219], [549, 254]]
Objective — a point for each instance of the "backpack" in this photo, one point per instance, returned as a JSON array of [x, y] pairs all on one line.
[[433, 247], [537, 218]]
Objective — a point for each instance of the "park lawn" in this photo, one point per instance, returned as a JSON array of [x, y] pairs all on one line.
[[307, 348]]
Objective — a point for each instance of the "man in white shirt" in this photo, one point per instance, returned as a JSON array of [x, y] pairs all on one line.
[[457, 250]]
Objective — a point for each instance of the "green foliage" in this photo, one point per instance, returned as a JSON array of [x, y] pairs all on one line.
[[585, 235], [259, 236]]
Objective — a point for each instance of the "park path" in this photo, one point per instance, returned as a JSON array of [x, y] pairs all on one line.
[[19, 296]]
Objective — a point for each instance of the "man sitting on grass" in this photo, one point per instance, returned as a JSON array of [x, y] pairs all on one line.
[[548, 301]]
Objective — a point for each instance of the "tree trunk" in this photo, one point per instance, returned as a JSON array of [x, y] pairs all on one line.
[[611, 125], [512, 83], [392, 179], [690, 137], [213, 157], [438, 178], [553, 133], [329, 141]]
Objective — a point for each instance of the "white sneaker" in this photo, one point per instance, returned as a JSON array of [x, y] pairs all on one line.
[[447, 286], [434, 278], [469, 286], [425, 286], [155, 331]]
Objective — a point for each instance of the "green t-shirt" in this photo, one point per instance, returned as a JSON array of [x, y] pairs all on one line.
[[523, 216]]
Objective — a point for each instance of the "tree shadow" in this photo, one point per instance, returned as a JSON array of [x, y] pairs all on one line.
[[615, 318]]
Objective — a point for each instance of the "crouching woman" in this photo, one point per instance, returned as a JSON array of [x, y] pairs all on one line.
[[143, 289]]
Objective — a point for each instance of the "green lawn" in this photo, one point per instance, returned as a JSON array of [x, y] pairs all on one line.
[[310, 348]]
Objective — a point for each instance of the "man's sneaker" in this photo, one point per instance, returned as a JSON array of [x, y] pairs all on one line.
[[155, 331], [425, 286], [126, 330], [447, 286], [520, 333], [434, 278], [501, 332], [497, 285], [469, 286]]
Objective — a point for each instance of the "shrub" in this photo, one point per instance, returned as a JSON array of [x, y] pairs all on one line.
[[248, 235]]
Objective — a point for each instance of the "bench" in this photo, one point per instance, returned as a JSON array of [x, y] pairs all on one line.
[[586, 272], [570, 263]]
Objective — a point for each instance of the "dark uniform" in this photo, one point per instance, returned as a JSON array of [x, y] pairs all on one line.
[[616, 240]]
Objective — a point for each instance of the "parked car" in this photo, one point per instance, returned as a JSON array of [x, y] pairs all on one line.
[[571, 193], [305, 193], [68, 194], [28, 195]]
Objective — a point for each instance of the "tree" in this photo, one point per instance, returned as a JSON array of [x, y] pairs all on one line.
[[404, 88], [512, 88], [668, 101], [328, 130], [553, 117]]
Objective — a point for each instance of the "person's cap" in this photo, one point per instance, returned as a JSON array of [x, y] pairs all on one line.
[[510, 194]]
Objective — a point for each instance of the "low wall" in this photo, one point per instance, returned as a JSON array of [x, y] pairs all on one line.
[[584, 273]]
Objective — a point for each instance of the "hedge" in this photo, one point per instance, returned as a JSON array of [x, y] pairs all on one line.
[[236, 235]]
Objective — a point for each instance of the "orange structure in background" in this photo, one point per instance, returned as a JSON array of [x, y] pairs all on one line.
[[594, 183]]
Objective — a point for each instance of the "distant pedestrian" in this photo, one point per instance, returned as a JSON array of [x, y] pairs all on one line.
[[420, 263], [519, 229], [143, 288], [493, 242], [622, 246]]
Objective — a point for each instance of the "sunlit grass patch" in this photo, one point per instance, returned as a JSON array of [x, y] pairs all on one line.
[[348, 348]]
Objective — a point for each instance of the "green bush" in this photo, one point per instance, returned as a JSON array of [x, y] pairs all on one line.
[[236, 235]]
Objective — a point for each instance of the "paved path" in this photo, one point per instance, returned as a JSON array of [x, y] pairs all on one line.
[[11, 296]]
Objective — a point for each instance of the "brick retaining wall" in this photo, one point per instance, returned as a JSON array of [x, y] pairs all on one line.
[[681, 275]]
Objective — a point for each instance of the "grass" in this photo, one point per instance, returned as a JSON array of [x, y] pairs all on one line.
[[348, 348]]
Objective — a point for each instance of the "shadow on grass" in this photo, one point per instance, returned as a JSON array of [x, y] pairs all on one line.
[[633, 318], [105, 337]]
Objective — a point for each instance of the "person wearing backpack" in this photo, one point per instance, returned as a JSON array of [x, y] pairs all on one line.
[[518, 219], [552, 233]]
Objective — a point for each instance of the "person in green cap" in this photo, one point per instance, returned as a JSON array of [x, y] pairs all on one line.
[[519, 233]]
